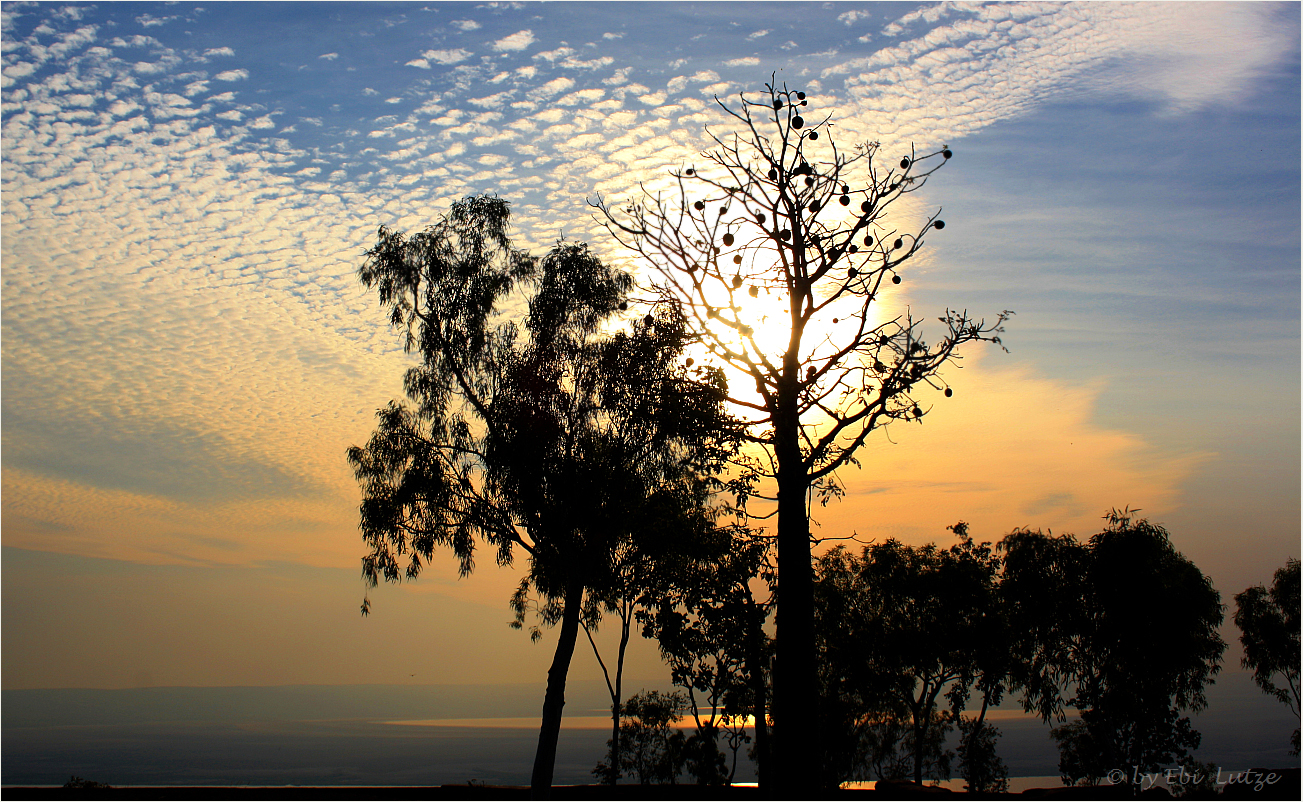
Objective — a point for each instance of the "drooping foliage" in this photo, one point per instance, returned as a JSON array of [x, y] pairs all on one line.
[[709, 622], [1268, 619], [544, 433], [906, 633], [653, 752], [1085, 618], [1058, 622]]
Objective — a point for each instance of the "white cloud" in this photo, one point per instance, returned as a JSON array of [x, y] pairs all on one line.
[[619, 35], [219, 51], [154, 68], [517, 41], [152, 22], [586, 96], [492, 101], [447, 56], [418, 62], [554, 55], [465, 24], [749, 61], [551, 89], [232, 75], [851, 17], [619, 77], [329, 56], [757, 35]]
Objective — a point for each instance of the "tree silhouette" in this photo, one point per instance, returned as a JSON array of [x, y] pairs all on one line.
[[806, 226], [653, 753], [657, 537], [1041, 592], [549, 436], [1124, 628], [710, 628], [902, 629], [1269, 631], [979, 763], [621, 596]]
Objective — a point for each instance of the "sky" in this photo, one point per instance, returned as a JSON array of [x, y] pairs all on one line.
[[186, 351]]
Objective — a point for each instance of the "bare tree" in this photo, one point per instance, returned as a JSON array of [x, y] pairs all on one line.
[[782, 212]]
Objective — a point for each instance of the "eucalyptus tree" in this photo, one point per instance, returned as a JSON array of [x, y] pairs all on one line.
[[710, 625], [905, 633], [780, 254], [1084, 618], [544, 435], [653, 753], [673, 518], [1268, 619]]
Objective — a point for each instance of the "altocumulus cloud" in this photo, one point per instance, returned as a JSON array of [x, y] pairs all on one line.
[[517, 41], [171, 258]]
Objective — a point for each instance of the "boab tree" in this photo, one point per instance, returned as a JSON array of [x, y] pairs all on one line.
[[547, 436], [778, 254]]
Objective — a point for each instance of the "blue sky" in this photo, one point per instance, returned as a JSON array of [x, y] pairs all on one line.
[[187, 192]]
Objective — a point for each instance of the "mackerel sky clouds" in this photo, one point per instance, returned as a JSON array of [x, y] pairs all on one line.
[[187, 191]]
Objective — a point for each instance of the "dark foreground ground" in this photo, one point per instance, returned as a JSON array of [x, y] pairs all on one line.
[[1286, 786]]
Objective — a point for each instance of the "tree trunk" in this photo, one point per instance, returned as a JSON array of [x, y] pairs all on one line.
[[613, 773], [545, 758], [796, 680], [615, 703], [919, 729]]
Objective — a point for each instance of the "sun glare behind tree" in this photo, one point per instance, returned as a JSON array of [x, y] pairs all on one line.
[[779, 210]]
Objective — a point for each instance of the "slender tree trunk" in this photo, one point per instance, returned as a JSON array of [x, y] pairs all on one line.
[[795, 686], [918, 755], [545, 758], [974, 736], [613, 687], [613, 775], [918, 747], [615, 703]]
